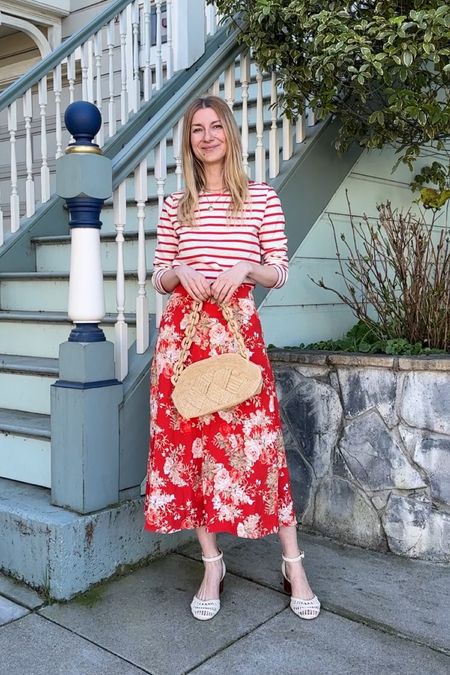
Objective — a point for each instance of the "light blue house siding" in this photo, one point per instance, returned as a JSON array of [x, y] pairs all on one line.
[[303, 312]]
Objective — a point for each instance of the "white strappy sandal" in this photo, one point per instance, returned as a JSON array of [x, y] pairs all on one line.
[[207, 609], [305, 609]]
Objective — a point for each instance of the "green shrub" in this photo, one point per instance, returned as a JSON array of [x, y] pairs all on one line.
[[362, 339]]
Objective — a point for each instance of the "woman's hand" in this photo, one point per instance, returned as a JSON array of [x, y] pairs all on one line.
[[198, 287], [228, 282]]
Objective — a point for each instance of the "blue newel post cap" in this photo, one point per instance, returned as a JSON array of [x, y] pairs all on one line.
[[83, 120], [83, 170]]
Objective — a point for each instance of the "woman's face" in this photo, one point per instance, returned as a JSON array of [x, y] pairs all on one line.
[[208, 140]]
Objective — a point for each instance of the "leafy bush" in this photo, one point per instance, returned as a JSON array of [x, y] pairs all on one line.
[[396, 274], [381, 66]]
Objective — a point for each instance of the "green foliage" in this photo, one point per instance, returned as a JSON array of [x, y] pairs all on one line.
[[382, 67], [361, 338]]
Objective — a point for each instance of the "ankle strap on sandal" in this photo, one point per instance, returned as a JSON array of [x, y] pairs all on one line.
[[214, 558], [291, 560]]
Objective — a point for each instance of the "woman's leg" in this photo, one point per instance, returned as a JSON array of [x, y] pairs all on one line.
[[295, 571], [209, 589]]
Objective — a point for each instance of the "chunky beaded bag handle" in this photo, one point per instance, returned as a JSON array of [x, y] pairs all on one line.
[[190, 331]]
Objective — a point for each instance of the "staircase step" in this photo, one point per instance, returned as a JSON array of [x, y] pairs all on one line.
[[53, 317], [25, 449], [24, 291], [132, 235], [53, 253], [45, 331], [23, 423], [25, 383], [12, 363]]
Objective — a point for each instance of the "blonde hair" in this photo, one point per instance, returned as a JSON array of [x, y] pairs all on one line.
[[234, 177]]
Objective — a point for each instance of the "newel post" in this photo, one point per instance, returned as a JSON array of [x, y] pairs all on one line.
[[188, 32], [85, 400]]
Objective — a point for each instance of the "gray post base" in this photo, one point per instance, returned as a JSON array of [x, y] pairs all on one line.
[[85, 428]]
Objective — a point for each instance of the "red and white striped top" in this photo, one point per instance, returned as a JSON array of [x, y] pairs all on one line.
[[214, 243]]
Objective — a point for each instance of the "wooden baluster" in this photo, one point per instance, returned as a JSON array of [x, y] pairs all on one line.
[[169, 64], [90, 71], [245, 79], [147, 48], [14, 198], [29, 183], [136, 90], [129, 57], [311, 116], [121, 327], [45, 172], [98, 49], [160, 302], [288, 148], [300, 128], [177, 135], [230, 86], [111, 103], [274, 150], [211, 20], [57, 91], [71, 76], [85, 71], [214, 89], [161, 171], [159, 74], [123, 62], [140, 187], [2, 231], [260, 152]]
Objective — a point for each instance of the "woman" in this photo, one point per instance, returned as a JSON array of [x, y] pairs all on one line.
[[224, 472]]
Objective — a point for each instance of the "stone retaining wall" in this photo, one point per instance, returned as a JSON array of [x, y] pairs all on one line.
[[368, 445]]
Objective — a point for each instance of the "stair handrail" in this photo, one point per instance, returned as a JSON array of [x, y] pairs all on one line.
[[47, 64]]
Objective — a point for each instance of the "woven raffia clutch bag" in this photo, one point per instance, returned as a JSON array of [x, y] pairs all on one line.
[[217, 383]]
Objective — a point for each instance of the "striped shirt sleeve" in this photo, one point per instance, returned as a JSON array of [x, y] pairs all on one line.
[[166, 244], [272, 238]]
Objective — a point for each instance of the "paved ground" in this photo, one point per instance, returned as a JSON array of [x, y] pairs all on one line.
[[381, 614]]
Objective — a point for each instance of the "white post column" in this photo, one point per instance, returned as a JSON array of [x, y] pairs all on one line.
[[188, 32]]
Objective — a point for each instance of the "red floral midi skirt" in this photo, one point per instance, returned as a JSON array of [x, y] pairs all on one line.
[[226, 471]]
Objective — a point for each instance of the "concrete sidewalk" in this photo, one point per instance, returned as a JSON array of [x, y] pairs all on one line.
[[381, 614]]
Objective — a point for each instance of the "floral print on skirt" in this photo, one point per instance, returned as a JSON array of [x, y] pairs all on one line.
[[226, 471]]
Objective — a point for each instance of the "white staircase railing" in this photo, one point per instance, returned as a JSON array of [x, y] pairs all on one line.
[[274, 140], [118, 62]]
